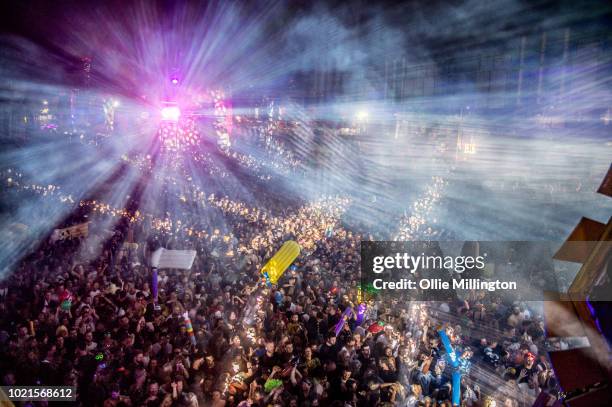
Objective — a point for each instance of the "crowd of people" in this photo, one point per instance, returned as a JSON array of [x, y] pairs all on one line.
[[81, 312]]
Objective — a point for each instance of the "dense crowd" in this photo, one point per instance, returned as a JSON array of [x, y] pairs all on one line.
[[80, 312]]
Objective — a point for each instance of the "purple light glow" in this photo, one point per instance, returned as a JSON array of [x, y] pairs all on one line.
[[170, 113], [175, 81]]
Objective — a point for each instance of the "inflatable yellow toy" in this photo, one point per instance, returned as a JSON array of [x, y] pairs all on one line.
[[276, 266]]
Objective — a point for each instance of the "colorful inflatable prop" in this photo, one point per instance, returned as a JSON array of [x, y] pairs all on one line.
[[459, 364], [154, 283], [277, 265], [65, 300], [189, 328], [376, 327], [361, 310], [343, 319]]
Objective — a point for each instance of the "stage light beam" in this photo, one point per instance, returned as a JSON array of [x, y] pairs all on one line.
[[171, 113]]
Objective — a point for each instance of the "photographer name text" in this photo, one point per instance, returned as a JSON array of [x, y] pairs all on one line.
[[439, 284]]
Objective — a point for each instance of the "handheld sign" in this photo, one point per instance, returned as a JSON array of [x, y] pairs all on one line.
[[173, 259]]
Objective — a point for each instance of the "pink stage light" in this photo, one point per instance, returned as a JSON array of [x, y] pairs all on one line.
[[170, 113]]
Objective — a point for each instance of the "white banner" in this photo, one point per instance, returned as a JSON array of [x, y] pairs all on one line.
[[173, 259], [81, 230]]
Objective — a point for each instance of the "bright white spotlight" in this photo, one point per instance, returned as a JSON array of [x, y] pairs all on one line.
[[362, 115], [170, 113]]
